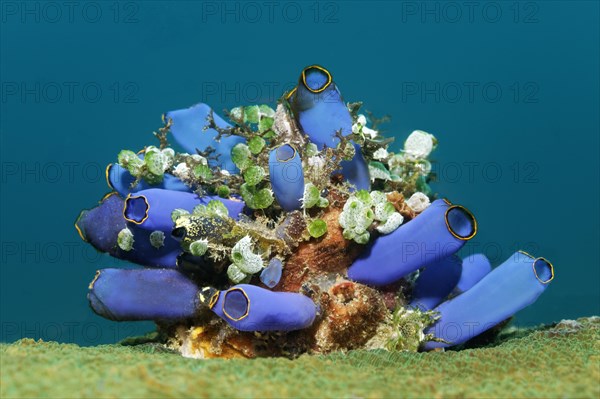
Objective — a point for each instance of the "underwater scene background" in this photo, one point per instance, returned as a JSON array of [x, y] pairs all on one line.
[[510, 90]]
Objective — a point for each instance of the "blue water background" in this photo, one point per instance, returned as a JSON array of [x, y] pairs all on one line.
[[510, 89]]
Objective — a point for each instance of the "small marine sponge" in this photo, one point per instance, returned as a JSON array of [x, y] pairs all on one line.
[[285, 230]]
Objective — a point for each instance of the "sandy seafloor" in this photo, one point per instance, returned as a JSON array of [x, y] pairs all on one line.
[[561, 360]]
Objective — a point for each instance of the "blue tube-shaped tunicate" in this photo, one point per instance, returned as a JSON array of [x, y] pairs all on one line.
[[271, 274], [143, 294], [100, 225], [319, 108], [251, 308], [435, 283], [438, 232], [287, 177], [149, 251], [474, 268], [151, 209], [321, 112], [188, 128], [510, 287], [120, 180], [149, 212]]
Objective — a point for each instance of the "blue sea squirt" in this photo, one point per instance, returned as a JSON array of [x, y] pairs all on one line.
[[283, 229]]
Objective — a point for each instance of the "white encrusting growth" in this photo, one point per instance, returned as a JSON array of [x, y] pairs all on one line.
[[245, 262], [419, 144], [418, 202]]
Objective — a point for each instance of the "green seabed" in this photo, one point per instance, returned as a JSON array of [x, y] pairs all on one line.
[[553, 361]]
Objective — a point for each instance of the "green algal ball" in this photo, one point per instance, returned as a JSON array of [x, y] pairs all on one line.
[[262, 199], [199, 210], [256, 145], [251, 114], [311, 196], [241, 156], [266, 111], [223, 191], [178, 212], [269, 134], [364, 197], [323, 202], [362, 238], [152, 179], [235, 275], [126, 156], [217, 208], [254, 175], [317, 228], [156, 162], [199, 247], [256, 199], [202, 172], [247, 192], [311, 150], [125, 239], [265, 124], [130, 161], [157, 239], [349, 234]]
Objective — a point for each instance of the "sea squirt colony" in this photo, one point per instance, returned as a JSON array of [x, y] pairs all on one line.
[[292, 230]]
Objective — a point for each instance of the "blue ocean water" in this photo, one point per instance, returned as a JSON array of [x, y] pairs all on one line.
[[510, 89]]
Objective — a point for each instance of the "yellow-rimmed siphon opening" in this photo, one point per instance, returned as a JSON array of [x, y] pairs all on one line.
[[291, 93], [288, 159], [81, 235], [213, 299], [106, 175], [320, 68], [469, 214], [91, 286], [130, 197], [547, 262], [247, 306]]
